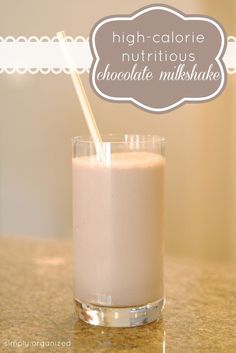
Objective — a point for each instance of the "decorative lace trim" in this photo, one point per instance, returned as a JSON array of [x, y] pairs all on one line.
[[230, 56], [232, 70], [44, 71]]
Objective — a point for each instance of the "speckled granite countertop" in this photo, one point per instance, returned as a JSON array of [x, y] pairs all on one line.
[[37, 313]]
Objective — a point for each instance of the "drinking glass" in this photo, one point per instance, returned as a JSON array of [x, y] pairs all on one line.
[[118, 229]]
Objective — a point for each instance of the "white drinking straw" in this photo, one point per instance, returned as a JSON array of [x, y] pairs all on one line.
[[80, 91]]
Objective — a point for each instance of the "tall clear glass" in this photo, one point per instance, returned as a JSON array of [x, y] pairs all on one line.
[[118, 230]]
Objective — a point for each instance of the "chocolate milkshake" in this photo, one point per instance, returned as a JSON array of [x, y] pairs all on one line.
[[117, 222], [118, 212]]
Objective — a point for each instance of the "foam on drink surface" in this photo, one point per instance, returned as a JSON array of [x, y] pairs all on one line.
[[123, 160]]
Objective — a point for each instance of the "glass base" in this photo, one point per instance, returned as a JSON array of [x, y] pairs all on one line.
[[120, 316]]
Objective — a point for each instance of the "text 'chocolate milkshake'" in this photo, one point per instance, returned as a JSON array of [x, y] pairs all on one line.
[[118, 220]]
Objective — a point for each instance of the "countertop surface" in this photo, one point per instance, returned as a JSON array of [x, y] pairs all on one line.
[[37, 311]]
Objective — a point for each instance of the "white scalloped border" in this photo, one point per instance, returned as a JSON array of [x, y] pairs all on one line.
[[231, 70], [43, 71]]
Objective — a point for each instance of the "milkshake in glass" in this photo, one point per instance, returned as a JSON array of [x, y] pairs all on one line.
[[118, 235]]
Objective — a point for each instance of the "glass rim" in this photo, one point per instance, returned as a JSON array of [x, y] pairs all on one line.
[[120, 138]]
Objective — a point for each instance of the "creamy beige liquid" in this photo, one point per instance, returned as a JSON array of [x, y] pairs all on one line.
[[117, 216]]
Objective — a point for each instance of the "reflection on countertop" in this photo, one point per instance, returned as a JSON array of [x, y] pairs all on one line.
[[37, 307]]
